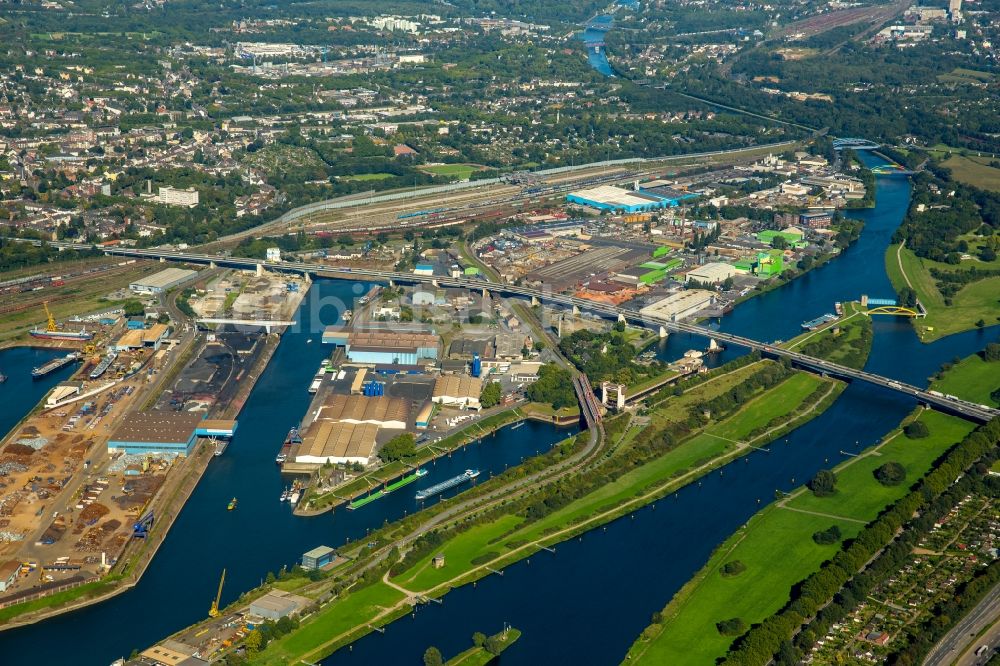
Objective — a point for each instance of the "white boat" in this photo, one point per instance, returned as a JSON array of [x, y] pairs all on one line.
[[294, 497]]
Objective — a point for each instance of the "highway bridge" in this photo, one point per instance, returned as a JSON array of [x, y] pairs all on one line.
[[951, 404]]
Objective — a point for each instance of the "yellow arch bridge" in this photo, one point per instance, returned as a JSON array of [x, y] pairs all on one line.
[[895, 310]]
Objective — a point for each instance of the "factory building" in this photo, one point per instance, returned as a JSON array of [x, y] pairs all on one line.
[[458, 391], [8, 574], [157, 283], [383, 412], [317, 558], [608, 197], [148, 338], [382, 347], [277, 604], [156, 432], [338, 443], [680, 305], [712, 273]]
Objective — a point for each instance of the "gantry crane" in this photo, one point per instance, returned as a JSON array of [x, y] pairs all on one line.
[[214, 610]]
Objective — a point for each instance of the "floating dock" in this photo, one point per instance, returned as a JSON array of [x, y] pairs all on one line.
[[467, 475], [813, 324], [395, 485]]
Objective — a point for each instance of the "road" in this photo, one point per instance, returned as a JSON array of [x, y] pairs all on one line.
[[959, 645]]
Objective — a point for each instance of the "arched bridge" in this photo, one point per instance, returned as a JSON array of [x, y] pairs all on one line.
[[855, 144], [948, 403]]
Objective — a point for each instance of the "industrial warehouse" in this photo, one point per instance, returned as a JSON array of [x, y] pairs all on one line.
[[165, 280]]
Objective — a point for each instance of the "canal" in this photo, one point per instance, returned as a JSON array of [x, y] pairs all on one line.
[[583, 604]]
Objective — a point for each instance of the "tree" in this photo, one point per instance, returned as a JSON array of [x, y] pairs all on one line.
[[133, 308], [823, 484], [432, 657], [992, 352], [828, 536], [890, 474], [399, 447], [493, 645], [779, 243], [479, 639], [916, 430], [490, 395], [731, 627], [732, 568], [254, 641]]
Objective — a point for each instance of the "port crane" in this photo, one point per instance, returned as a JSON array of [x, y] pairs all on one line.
[[214, 610], [142, 526], [50, 326]]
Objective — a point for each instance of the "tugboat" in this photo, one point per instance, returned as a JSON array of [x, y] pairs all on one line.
[[232, 504]]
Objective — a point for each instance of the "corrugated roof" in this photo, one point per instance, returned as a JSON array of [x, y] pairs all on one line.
[[339, 440], [340, 407], [156, 427], [458, 386]]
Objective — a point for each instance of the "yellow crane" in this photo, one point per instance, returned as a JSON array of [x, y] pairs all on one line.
[[51, 326], [214, 610]]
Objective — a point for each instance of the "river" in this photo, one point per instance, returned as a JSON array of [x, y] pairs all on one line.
[[584, 604]]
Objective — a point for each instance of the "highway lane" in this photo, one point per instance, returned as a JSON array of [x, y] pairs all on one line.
[[981, 413], [959, 645]]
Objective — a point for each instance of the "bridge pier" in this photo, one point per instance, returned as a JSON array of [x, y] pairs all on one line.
[[576, 310], [212, 265], [392, 283], [486, 293], [260, 269], [434, 283], [663, 332], [535, 302], [621, 318], [163, 260]]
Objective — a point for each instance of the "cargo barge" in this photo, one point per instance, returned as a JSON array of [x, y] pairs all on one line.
[[60, 335], [53, 365], [395, 485], [813, 324], [437, 488]]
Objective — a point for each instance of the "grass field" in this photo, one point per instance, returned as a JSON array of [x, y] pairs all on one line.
[[689, 635], [688, 631], [459, 171], [368, 176], [860, 496], [975, 301], [783, 399], [974, 171], [333, 620], [972, 379]]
